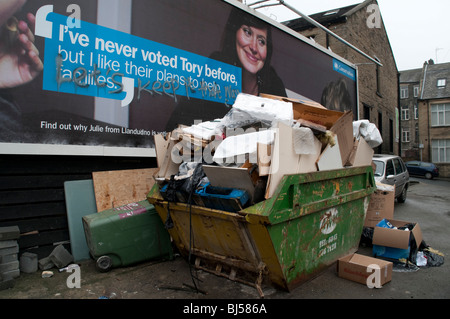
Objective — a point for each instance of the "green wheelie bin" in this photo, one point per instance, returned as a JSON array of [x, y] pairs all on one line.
[[310, 222], [126, 235]]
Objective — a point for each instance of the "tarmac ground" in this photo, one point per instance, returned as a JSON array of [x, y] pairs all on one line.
[[427, 204]]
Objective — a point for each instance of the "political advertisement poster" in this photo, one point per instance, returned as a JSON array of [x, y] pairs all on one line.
[[85, 76]]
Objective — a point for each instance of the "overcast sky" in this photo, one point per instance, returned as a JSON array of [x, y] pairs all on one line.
[[418, 30]]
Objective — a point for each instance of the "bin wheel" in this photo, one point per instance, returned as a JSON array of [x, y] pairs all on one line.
[[104, 263]]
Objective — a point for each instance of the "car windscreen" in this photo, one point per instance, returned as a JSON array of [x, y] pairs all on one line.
[[379, 168]]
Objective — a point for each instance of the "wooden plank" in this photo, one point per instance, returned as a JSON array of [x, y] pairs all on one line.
[[19, 212], [43, 238], [38, 224], [31, 196], [37, 181], [116, 188]]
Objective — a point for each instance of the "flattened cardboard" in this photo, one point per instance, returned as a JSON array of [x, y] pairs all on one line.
[[161, 145], [396, 238], [230, 177], [381, 205], [164, 156], [355, 267], [330, 158], [343, 128], [264, 157], [285, 161], [293, 101], [361, 154]]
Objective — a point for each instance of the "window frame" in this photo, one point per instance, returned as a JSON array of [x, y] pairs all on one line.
[[405, 113], [406, 137], [435, 122], [442, 150]]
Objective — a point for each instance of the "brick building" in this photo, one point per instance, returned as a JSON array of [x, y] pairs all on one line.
[[409, 114], [434, 115], [362, 26]]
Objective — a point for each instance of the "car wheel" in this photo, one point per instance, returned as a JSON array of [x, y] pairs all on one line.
[[428, 175], [402, 197]]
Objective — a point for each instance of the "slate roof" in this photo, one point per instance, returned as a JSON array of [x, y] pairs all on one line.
[[410, 76], [325, 18], [432, 73]]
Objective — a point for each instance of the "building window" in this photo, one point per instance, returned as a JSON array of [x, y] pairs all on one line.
[[441, 83], [366, 111], [405, 113], [417, 133], [404, 92], [416, 91], [416, 112], [440, 151], [440, 114], [405, 136], [378, 75]]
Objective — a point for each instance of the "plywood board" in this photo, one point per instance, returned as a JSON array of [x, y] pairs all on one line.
[[80, 201], [116, 188]]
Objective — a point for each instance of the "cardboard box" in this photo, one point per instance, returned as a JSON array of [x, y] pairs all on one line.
[[381, 205], [358, 268], [394, 243]]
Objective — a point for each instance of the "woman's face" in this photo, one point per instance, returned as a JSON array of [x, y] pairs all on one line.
[[251, 46]]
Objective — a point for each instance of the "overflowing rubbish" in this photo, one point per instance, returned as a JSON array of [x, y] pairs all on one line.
[[278, 189], [261, 139], [273, 180], [402, 243]]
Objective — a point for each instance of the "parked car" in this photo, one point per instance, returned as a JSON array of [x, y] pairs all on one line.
[[390, 169], [429, 170]]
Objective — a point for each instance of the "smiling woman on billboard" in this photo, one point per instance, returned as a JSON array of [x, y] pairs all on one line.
[[247, 43]]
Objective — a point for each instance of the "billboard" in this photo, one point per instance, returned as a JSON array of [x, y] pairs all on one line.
[[104, 76]]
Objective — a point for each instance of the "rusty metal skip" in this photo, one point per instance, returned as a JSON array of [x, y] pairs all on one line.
[[311, 221]]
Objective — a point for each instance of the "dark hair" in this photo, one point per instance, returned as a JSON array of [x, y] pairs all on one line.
[[335, 96], [236, 20]]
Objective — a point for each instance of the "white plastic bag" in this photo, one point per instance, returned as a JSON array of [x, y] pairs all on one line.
[[368, 131], [421, 260]]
